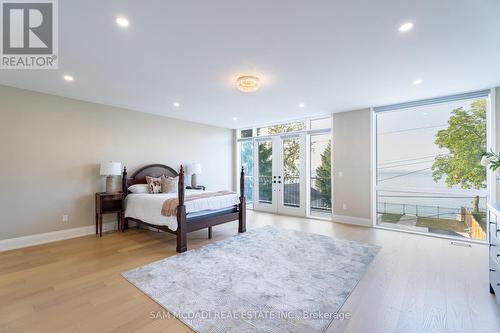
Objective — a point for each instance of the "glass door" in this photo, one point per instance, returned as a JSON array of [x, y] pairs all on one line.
[[279, 183], [291, 175], [264, 192]]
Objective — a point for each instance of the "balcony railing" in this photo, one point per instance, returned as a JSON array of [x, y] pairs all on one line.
[[460, 221], [291, 192]]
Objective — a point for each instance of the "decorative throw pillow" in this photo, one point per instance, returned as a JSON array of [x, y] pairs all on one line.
[[154, 184], [139, 188], [169, 184]]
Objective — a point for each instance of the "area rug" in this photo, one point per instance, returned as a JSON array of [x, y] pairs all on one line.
[[265, 280]]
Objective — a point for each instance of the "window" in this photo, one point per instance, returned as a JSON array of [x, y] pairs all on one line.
[[321, 123], [246, 161], [282, 128], [321, 175], [288, 167], [265, 156], [246, 133], [428, 175]]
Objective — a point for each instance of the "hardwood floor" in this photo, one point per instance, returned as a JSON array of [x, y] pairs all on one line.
[[415, 284]]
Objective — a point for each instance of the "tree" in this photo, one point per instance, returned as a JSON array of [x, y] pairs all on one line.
[[465, 139], [324, 174], [291, 158]]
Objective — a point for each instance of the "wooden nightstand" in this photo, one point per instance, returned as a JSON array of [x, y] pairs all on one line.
[[199, 187], [107, 203]]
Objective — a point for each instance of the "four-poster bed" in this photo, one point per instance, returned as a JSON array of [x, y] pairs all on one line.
[[186, 221]]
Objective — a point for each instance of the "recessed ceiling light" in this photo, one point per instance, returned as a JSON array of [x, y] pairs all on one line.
[[235, 118], [176, 104], [122, 22], [248, 83], [302, 105], [68, 78], [406, 27], [417, 82]]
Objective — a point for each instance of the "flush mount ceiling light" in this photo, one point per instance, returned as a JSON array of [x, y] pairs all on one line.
[[176, 104], [122, 22], [68, 78], [248, 83], [302, 105], [417, 82], [406, 27], [235, 118]]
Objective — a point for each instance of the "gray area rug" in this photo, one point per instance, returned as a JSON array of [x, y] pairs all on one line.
[[265, 280]]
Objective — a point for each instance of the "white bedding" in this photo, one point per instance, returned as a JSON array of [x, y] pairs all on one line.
[[147, 207]]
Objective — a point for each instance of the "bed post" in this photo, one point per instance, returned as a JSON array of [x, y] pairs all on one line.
[[181, 216], [124, 224], [242, 224], [124, 180]]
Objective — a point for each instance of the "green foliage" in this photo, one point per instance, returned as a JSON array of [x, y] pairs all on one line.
[[291, 156], [324, 174], [465, 139], [265, 159]]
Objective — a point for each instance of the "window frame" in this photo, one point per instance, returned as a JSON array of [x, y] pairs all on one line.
[[489, 192], [307, 132]]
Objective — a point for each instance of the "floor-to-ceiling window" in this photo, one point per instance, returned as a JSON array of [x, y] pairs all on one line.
[[320, 175], [428, 173], [246, 162], [286, 160]]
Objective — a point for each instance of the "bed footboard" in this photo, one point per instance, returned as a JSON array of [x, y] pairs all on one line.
[[182, 227]]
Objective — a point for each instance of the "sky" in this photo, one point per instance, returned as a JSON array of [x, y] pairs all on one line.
[[409, 134]]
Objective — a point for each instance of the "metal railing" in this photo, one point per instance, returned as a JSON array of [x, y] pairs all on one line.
[[291, 192]]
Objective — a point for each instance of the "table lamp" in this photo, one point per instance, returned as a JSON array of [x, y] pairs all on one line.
[[194, 169], [111, 170]]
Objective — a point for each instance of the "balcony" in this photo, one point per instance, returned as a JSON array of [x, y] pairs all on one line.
[[320, 205]]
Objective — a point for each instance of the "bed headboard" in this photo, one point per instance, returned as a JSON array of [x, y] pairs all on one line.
[[139, 176]]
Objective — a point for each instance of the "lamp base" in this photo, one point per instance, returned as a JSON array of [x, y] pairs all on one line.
[[193, 181], [111, 184]]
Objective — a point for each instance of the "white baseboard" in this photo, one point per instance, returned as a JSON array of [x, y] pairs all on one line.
[[48, 237], [360, 221]]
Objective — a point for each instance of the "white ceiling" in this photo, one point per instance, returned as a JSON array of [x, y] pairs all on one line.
[[332, 55]]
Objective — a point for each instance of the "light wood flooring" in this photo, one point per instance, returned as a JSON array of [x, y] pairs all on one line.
[[415, 284]]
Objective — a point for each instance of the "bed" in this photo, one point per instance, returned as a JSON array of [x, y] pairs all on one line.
[[204, 212]]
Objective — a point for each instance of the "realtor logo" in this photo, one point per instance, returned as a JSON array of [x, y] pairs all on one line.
[[29, 34]]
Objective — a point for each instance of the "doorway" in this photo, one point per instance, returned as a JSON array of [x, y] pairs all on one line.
[[280, 167]]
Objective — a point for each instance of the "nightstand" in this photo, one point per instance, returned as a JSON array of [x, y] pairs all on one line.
[[107, 203], [199, 187]]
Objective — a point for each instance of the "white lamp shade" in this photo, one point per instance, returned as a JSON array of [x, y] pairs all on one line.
[[194, 168], [111, 169]]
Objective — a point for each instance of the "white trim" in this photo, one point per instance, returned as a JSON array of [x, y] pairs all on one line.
[[359, 221], [373, 166], [492, 143], [48, 237]]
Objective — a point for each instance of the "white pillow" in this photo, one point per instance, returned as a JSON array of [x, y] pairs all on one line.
[[169, 184], [139, 188]]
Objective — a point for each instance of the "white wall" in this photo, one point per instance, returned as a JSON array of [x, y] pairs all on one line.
[[351, 167], [50, 150]]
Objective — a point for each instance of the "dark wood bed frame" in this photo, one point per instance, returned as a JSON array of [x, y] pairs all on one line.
[[183, 227]]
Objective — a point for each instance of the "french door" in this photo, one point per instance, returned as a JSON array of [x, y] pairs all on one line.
[[280, 174]]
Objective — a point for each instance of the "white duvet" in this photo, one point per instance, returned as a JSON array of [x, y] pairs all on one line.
[[147, 207]]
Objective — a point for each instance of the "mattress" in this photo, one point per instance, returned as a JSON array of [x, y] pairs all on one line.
[[147, 207]]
